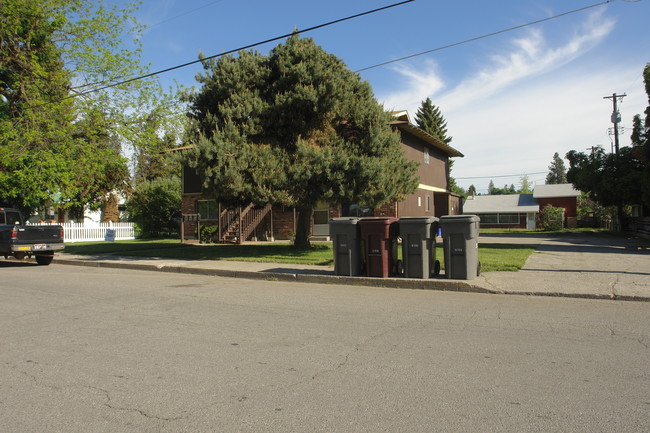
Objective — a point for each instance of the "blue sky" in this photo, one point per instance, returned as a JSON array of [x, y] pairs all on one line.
[[511, 101]]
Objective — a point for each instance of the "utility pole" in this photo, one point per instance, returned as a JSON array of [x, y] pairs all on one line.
[[616, 116], [616, 119]]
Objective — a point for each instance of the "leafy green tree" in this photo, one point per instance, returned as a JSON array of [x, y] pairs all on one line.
[[471, 191], [641, 140], [526, 187], [154, 207], [51, 51], [556, 171], [610, 179], [294, 128]]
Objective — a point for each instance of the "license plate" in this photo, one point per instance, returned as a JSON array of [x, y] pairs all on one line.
[[40, 246], [24, 248]]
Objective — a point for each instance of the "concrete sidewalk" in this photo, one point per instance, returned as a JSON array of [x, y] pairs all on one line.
[[582, 266]]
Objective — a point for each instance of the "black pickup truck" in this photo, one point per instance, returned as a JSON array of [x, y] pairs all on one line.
[[21, 241]]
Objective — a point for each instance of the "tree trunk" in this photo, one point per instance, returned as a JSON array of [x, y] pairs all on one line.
[[304, 227], [77, 213]]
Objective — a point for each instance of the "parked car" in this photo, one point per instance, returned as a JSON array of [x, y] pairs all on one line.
[[24, 241]]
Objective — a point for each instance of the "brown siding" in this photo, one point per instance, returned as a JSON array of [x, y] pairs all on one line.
[[410, 208], [435, 172]]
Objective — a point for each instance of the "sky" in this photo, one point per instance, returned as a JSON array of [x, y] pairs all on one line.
[[510, 100]]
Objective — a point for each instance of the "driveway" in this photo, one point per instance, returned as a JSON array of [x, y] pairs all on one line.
[[589, 265]]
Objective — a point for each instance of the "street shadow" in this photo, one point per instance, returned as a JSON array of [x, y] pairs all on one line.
[[497, 246], [297, 271], [17, 264], [579, 247], [591, 271], [513, 235]]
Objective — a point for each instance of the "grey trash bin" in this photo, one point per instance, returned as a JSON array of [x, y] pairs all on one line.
[[346, 244], [460, 240], [419, 246]]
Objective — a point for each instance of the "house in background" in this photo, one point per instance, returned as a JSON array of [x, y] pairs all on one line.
[[522, 210], [504, 211], [249, 222]]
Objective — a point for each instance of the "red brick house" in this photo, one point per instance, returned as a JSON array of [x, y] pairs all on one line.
[[432, 198]]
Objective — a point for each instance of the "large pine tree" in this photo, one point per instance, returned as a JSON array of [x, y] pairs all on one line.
[[430, 119], [294, 128], [556, 171]]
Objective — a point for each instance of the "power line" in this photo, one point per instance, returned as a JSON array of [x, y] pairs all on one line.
[[488, 35], [503, 175], [162, 71]]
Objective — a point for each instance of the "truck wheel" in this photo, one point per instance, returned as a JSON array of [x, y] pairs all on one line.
[[44, 259]]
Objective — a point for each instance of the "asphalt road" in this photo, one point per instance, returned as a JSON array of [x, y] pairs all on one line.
[[108, 350]]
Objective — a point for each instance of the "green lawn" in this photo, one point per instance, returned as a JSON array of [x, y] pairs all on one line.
[[493, 257], [320, 254]]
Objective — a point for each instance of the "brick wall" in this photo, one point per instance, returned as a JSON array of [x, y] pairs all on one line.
[[387, 210], [284, 225]]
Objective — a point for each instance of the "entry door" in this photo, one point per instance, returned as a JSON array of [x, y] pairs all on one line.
[[321, 219], [530, 221]]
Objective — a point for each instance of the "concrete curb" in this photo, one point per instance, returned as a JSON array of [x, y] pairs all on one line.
[[391, 283]]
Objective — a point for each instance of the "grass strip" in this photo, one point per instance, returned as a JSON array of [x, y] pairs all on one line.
[[493, 257]]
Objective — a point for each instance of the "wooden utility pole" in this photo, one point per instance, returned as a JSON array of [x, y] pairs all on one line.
[[616, 117]]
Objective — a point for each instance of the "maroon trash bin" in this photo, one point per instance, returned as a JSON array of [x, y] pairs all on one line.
[[379, 236]]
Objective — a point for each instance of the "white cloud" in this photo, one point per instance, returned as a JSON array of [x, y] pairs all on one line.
[[530, 56], [421, 82], [519, 132], [528, 103]]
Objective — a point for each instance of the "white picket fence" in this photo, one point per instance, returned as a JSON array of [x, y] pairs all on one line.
[[77, 232]]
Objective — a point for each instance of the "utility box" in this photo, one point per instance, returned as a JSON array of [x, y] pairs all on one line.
[[379, 236], [419, 246], [347, 246], [460, 240]]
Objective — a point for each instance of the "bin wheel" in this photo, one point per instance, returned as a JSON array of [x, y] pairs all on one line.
[[478, 269], [436, 268], [399, 268]]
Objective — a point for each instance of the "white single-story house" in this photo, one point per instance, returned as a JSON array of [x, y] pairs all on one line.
[[512, 210], [521, 210]]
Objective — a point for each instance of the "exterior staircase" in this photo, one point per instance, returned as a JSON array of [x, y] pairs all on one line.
[[237, 225]]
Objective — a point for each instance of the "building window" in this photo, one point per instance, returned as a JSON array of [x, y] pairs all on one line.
[[207, 209], [419, 201], [426, 155], [507, 218], [428, 207]]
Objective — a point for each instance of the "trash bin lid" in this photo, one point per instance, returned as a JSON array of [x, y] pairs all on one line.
[[418, 220], [378, 220], [459, 218]]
